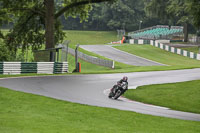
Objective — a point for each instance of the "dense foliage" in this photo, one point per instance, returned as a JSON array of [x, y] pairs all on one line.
[[175, 12], [37, 22], [123, 14], [5, 54], [127, 14]]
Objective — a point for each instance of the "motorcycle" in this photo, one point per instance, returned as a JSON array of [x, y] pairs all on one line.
[[118, 90]]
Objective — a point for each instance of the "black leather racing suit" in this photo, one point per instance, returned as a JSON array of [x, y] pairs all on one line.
[[119, 82]]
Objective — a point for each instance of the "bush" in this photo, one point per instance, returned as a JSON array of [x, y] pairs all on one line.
[[5, 54]]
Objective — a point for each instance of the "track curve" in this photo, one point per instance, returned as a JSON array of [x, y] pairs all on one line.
[[121, 56], [91, 89]]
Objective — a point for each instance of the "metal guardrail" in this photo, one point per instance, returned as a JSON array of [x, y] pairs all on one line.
[[91, 59]]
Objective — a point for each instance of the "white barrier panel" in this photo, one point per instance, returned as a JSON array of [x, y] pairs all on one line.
[[198, 56], [45, 67], [178, 51], [191, 55], [167, 48], [161, 45], [156, 44], [184, 53], [140, 41], [131, 41], [11, 67], [172, 49], [151, 42]]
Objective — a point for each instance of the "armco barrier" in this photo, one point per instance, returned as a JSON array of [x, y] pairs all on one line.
[[93, 60], [157, 43], [33, 67]]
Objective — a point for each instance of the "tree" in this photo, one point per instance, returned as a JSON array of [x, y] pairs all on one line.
[[123, 14], [31, 17], [178, 9], [193, 7], [173, 11]]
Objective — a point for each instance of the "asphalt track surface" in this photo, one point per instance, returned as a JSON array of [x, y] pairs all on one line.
[[93, 89], [120, 56]]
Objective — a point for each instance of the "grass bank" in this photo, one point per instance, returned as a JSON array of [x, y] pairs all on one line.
[[90, 37], [184, 96], [174, 61], [27, 113], [102, 37], [161, 56], [192, 49]]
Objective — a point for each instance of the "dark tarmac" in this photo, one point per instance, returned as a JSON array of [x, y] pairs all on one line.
[[93, 89]]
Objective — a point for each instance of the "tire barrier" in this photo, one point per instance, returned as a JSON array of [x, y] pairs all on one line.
[[159, 44], [33, 67]]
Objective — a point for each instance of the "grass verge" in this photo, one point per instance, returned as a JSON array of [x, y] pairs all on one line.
[[192, 49], [174, 61], [184, 96], [27, 113], [90, 37], [161, 56]]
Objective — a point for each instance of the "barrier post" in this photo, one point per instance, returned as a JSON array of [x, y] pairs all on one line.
[[76, 59], [79, 67]]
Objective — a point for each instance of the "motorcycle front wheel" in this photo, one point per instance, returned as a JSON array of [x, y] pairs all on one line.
[[118, 94]]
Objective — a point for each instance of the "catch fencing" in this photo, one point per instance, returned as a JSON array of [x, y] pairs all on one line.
[[91, 59]]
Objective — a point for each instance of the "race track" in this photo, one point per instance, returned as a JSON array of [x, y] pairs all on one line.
[[92, 89], [120, 56]]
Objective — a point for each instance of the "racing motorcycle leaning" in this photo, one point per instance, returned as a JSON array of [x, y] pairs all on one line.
[[118, 90]]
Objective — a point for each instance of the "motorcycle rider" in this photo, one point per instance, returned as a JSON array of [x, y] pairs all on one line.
[[124, 79]]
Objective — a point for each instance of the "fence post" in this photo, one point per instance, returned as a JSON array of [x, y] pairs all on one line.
[[76, 58]]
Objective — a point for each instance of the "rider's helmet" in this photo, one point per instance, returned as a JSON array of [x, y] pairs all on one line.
[[125, 78]]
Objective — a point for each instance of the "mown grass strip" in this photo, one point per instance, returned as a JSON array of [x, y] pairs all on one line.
[[184, 96], [90, 37], [161, 56], [146, 51], [192, 49], [27, 113]]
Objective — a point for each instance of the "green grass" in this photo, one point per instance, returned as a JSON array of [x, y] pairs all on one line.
[[147, 51], [102, 37], [184, 96], [86, 67], [161, 56], [28, 113], [90, 37], [192, 49]]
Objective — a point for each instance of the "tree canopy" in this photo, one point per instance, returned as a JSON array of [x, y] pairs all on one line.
[[175, 12], [36, 21]]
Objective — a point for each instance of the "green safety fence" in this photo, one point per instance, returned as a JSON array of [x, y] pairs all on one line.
[[1, 67], [33, 67], [29, 67]]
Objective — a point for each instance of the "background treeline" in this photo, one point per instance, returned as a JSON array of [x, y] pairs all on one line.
[[27, 20], [123, 14]]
